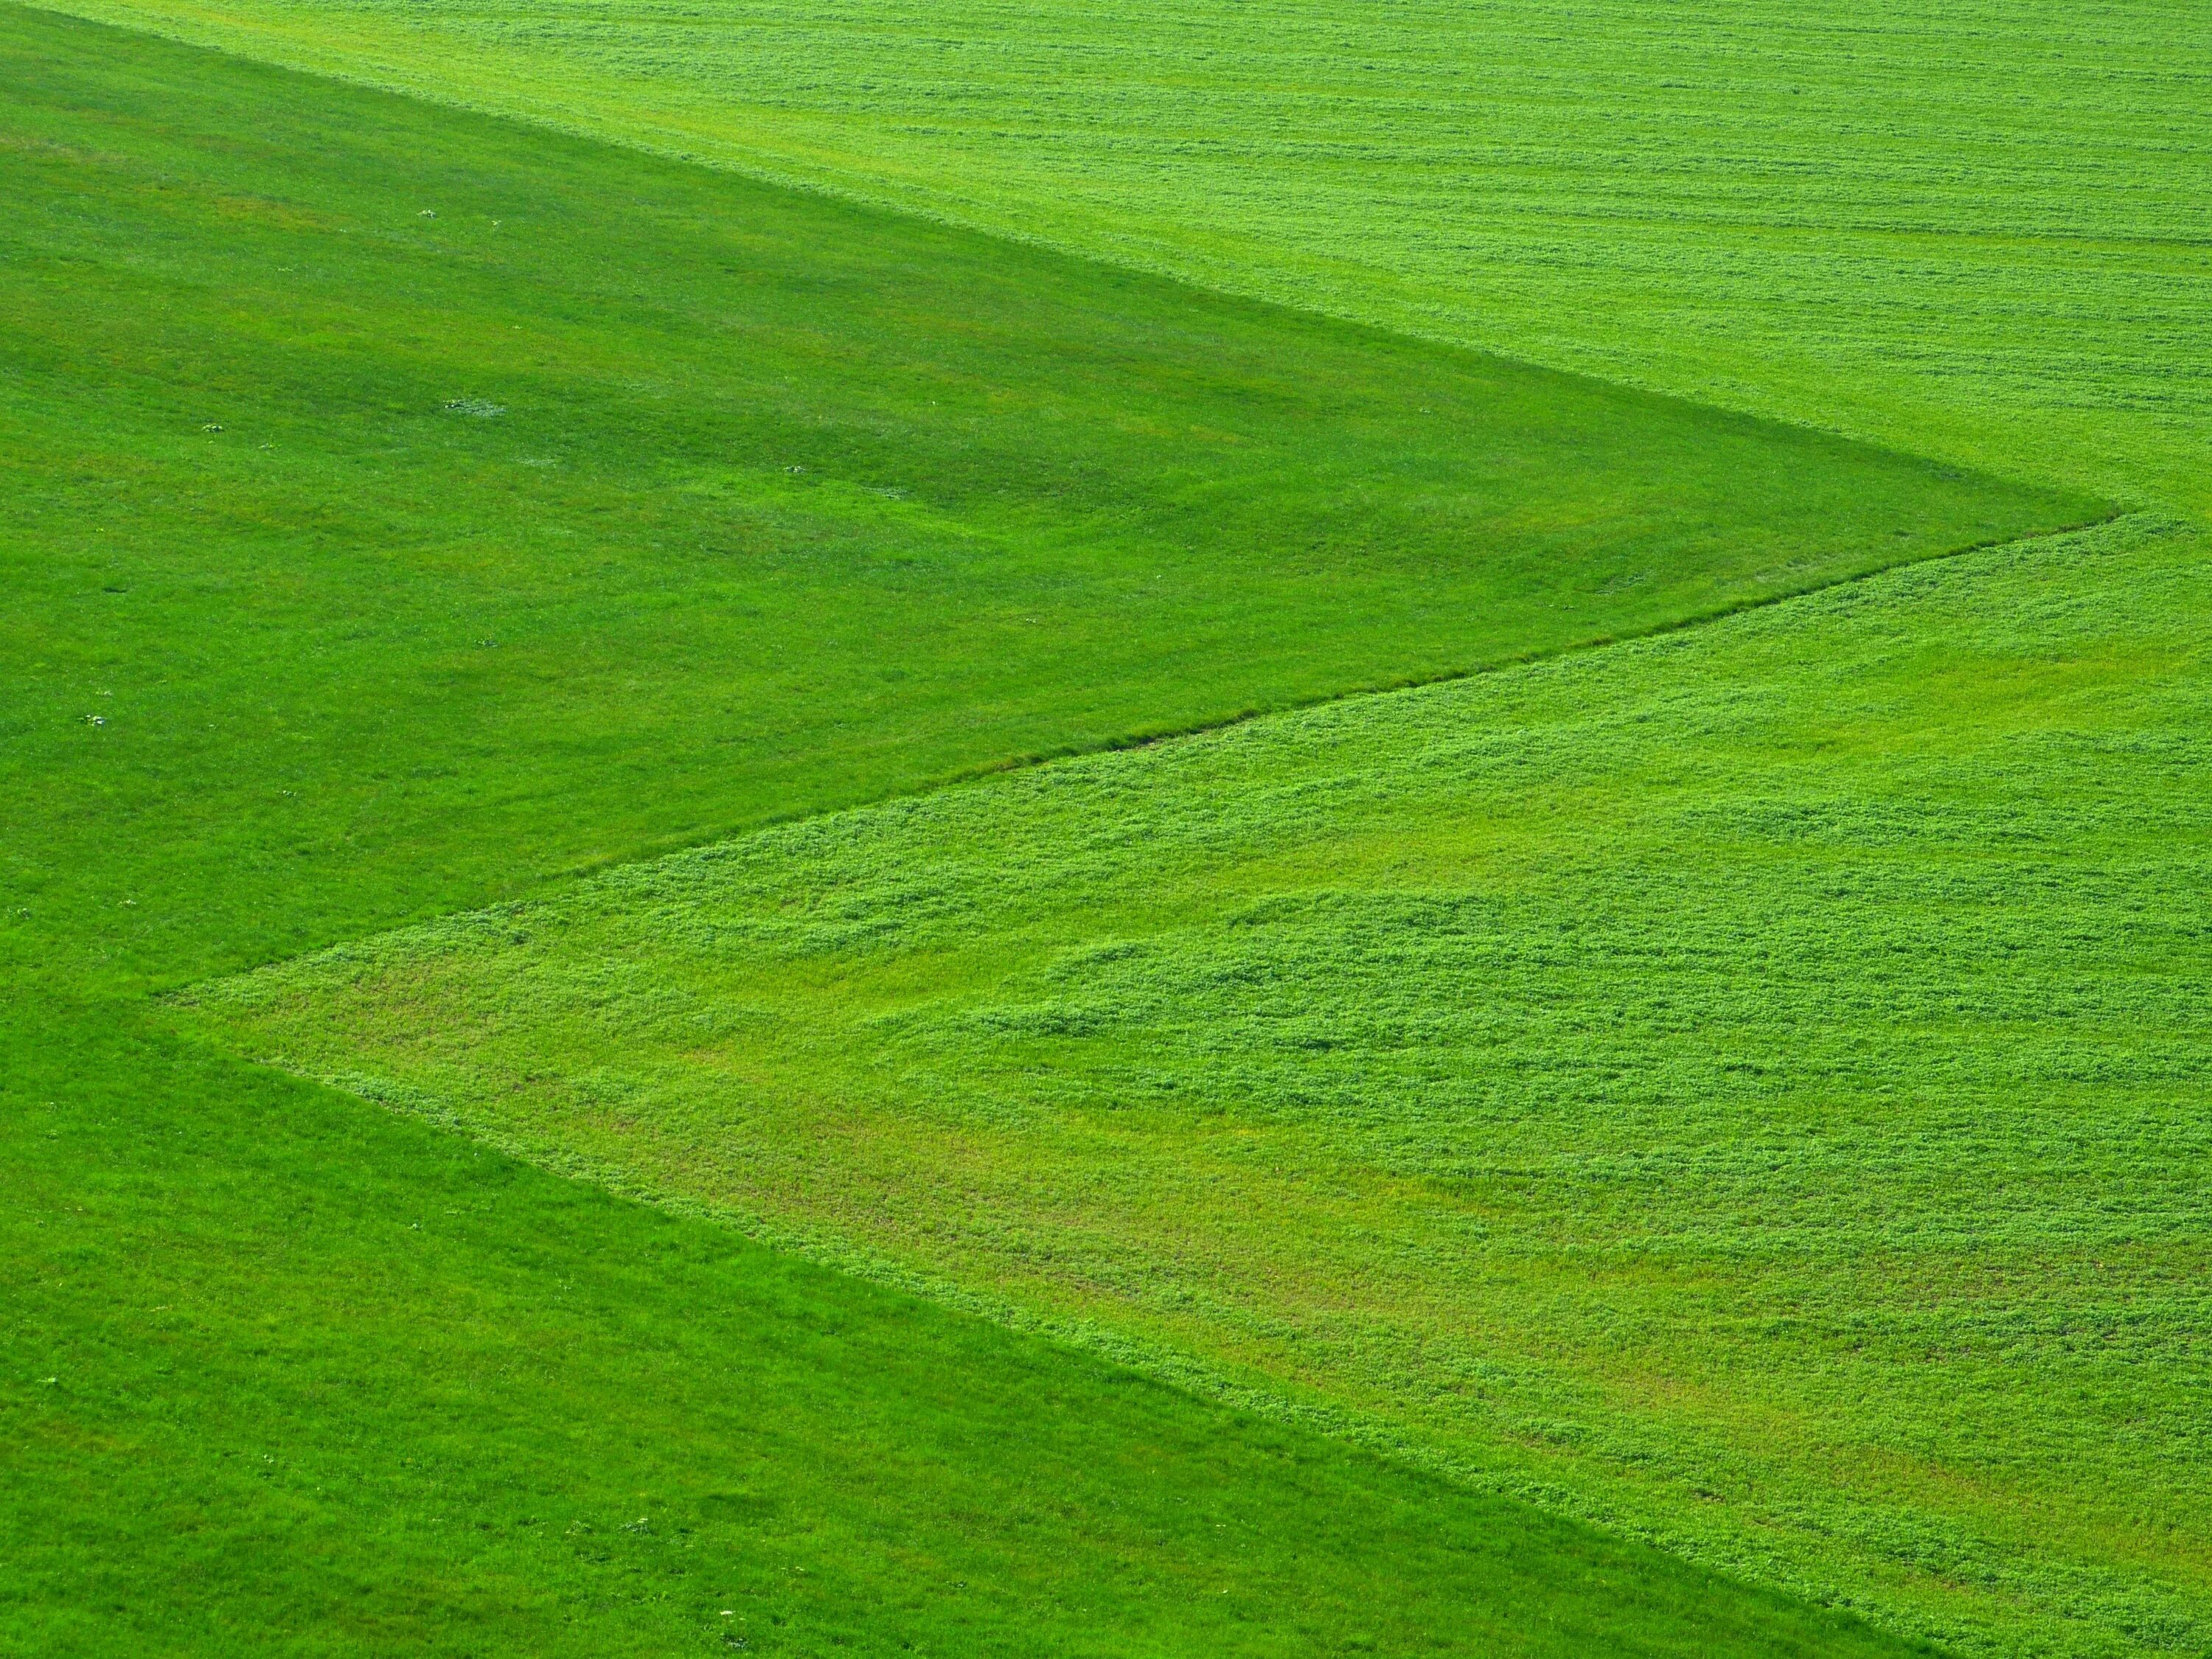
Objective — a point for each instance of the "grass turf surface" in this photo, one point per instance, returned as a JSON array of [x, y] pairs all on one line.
[[1752, 1083], [1757, 217], [303, 641], [1966, 229], [786, 504], [1972, 227], [288, 1374]]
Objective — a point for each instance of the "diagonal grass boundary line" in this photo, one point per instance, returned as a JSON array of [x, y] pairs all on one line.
[[1158, 1362], [1140, 736], [759, 173], [1165, 1361], [2147, 520]]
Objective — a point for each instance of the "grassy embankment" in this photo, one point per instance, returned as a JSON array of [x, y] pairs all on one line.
[[364, 564]]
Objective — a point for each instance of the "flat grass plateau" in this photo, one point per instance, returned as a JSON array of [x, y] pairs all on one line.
[[1743, 1086]]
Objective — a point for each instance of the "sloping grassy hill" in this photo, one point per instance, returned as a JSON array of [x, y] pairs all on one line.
[[1972, 227], [623, 502], [1811, 1366], [364, 563], [1753, 1082], [285, 1373]]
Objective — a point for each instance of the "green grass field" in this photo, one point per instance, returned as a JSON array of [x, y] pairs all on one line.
[[297, 648], [786, 505], [1754, 1082], [288, 1374], [1605, 1155], [1966, 227]]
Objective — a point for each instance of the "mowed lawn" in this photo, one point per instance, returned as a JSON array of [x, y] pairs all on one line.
[[400, 509], [1750, 1085]]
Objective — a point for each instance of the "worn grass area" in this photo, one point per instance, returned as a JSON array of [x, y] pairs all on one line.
[[1749, 1086], [494, 566], [1968, 227]]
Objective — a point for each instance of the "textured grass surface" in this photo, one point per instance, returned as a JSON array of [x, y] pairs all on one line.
[[1972, 228], [286, 1374], [1749, 1086], [279, 1372], [623, 502], [1965, 230]]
